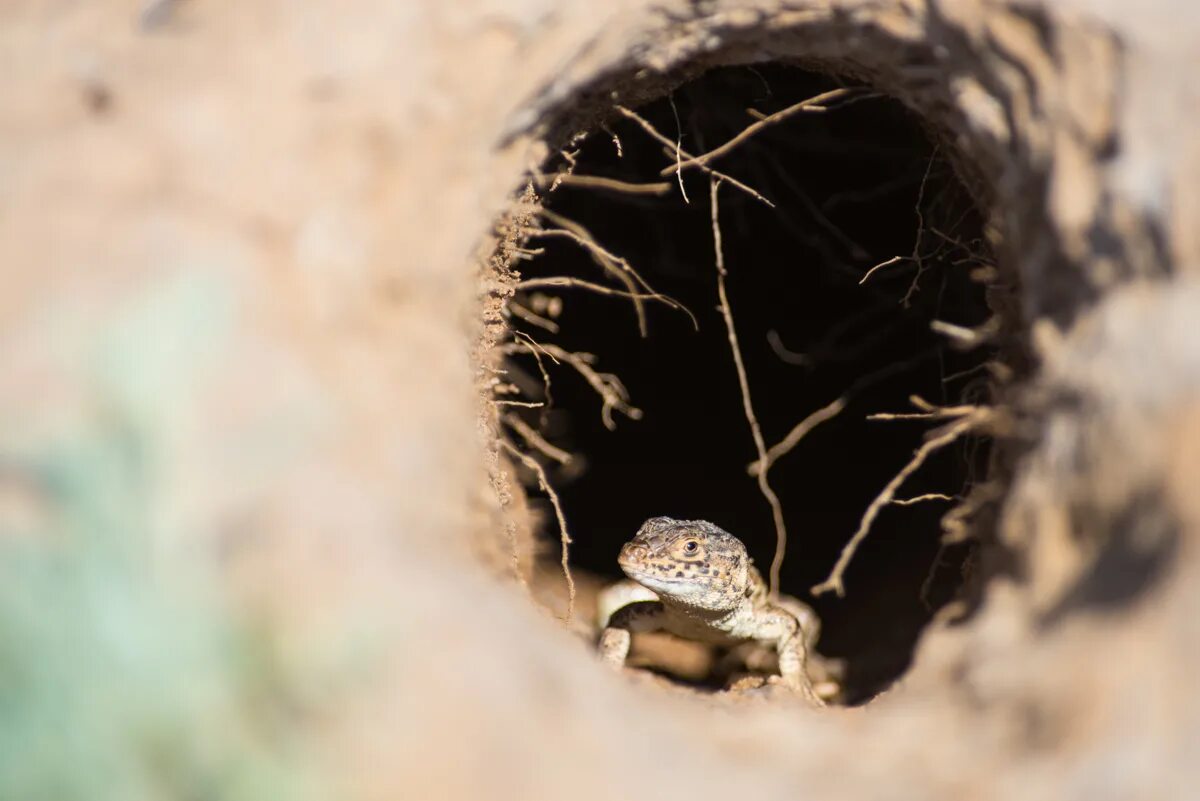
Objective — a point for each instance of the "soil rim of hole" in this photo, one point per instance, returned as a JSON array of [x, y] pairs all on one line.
[[595, 103]]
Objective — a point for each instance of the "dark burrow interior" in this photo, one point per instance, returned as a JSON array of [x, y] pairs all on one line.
[[854, 186]]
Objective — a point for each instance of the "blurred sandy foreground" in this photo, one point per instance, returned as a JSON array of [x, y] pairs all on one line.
[[243, 486]]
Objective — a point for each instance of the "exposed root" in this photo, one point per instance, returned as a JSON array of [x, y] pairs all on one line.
[[967, 338], [536, 352], [818, 214], [764, 485], [828, 412], [801, 430], [612, 392], [784, 353], [941, 411], [607, 184], [994, 368], [943, 437], [927, 585], [812, 104], [678, 150], [621, 269], [915, 256], [517, 310], [564, 537], [955, 526], [616, 140], [522, 404], [600, 289], [879, 266], [973, 254], [954, 523], [929, 496], [536, 440], [832, 347], [650, 129], [849, 101], [928, 411], [916, 251]]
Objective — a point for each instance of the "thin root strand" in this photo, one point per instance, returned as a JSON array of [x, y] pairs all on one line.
[[564, 537], [947, 435], [764, 485]]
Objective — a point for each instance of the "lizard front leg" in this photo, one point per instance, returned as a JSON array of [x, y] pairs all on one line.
[[617, 636], [792, 647], [617, 595]]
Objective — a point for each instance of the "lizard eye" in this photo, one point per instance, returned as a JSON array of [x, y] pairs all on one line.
[[691, 546]]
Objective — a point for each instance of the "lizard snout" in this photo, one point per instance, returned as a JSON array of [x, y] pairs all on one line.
[[632, 553]]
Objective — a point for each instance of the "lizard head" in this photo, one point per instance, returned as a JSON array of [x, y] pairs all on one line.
[[691, 562]]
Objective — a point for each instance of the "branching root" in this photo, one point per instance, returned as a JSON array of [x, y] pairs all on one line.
[[564, 536], [965, 422]]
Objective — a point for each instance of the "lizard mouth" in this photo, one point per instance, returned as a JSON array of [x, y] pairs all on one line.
[[635, 572], [652, 580]]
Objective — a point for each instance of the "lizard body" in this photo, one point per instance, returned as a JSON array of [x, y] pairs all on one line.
[[707, 590]]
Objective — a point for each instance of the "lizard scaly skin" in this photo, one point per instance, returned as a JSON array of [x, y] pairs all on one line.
[[708, 590]]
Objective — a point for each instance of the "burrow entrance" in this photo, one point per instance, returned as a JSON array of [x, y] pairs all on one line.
[[855, 275]]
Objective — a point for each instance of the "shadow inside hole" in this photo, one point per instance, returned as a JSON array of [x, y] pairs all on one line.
[[847, 184]]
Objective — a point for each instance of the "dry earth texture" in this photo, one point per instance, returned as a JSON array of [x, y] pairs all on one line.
[[256, 523]]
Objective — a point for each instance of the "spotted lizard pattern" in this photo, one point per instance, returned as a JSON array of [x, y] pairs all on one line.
[[708, 590]]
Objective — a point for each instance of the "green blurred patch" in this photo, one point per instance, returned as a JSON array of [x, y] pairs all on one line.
[[121, 675]]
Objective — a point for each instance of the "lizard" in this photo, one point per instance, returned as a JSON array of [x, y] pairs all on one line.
[[708, 590]]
